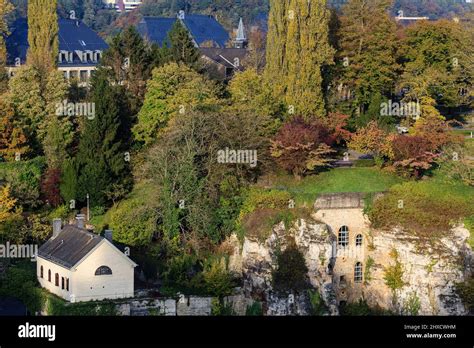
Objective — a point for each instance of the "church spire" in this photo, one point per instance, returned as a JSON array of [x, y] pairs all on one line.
[[241, 38]]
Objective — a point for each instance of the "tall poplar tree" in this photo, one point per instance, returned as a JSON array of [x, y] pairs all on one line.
[[43, 34], [56, 129], [5, 8], [101, 157], [298, 50]]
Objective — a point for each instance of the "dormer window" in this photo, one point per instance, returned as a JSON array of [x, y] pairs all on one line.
[[81, 55], [97, 55], [63, 56], [103, 270]]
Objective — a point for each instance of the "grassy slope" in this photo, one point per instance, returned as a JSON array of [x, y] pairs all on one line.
[[337, 180]]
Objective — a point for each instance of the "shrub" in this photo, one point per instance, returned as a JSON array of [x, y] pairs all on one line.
[[291, 272], [361, 308], [427, 209], [218, 281], [134, 221], [61, 212], [412, 304], [219, 308], [364, 163], [466, 292], [300, 147], [24, 178], [393, 275], [20, 282], [57, 306], [368, 267], [412, 154], [182, 273], [257, 198], [255, 309], [371, 139], [317, 304]]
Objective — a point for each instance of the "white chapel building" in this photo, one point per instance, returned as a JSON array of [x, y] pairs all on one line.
[[79, 265]]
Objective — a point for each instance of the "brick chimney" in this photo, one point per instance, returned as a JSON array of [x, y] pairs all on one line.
[[108, 235], [57, 225]]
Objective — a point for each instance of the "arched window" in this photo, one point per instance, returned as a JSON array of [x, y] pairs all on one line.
[[103, 270], [49, 275], [358, 272], [56, 279], [359, 240], [343, 237], [41, 271]]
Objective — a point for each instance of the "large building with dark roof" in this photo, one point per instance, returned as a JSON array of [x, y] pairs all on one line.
[[80, 48], [221, 56], [204, 30], [79, 265]]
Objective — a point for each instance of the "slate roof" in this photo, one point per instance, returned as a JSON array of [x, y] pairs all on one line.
[[155, 29], [202, 28], [69, 246], [225, 56], [206, 28], [73, 35]]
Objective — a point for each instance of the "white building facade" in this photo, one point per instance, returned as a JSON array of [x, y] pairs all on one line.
[[78, 265]]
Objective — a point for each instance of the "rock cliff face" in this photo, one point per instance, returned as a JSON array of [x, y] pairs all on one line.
[[258, 260], [428, 273]]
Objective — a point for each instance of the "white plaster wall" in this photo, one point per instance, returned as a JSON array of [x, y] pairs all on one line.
[[87, 286], [50, 286]]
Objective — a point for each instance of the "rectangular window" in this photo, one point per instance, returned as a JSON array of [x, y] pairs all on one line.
[[83, 76], [67, 284], [62, 283], [41, 271], [49, 275]]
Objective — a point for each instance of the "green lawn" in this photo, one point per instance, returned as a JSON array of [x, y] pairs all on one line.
[[469, 145], [336, 180]]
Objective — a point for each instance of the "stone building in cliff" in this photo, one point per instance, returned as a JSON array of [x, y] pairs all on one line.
[[343, 213]]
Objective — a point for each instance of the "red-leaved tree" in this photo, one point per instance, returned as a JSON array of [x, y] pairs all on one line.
[[413, 154], [300, 147], [50, 187]]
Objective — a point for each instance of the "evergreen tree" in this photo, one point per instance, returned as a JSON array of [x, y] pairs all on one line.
[[298, 50], [5, 8], [57, 129], [68, 182], [130, 60], [181, 47], [101, 156], [43, 34]]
